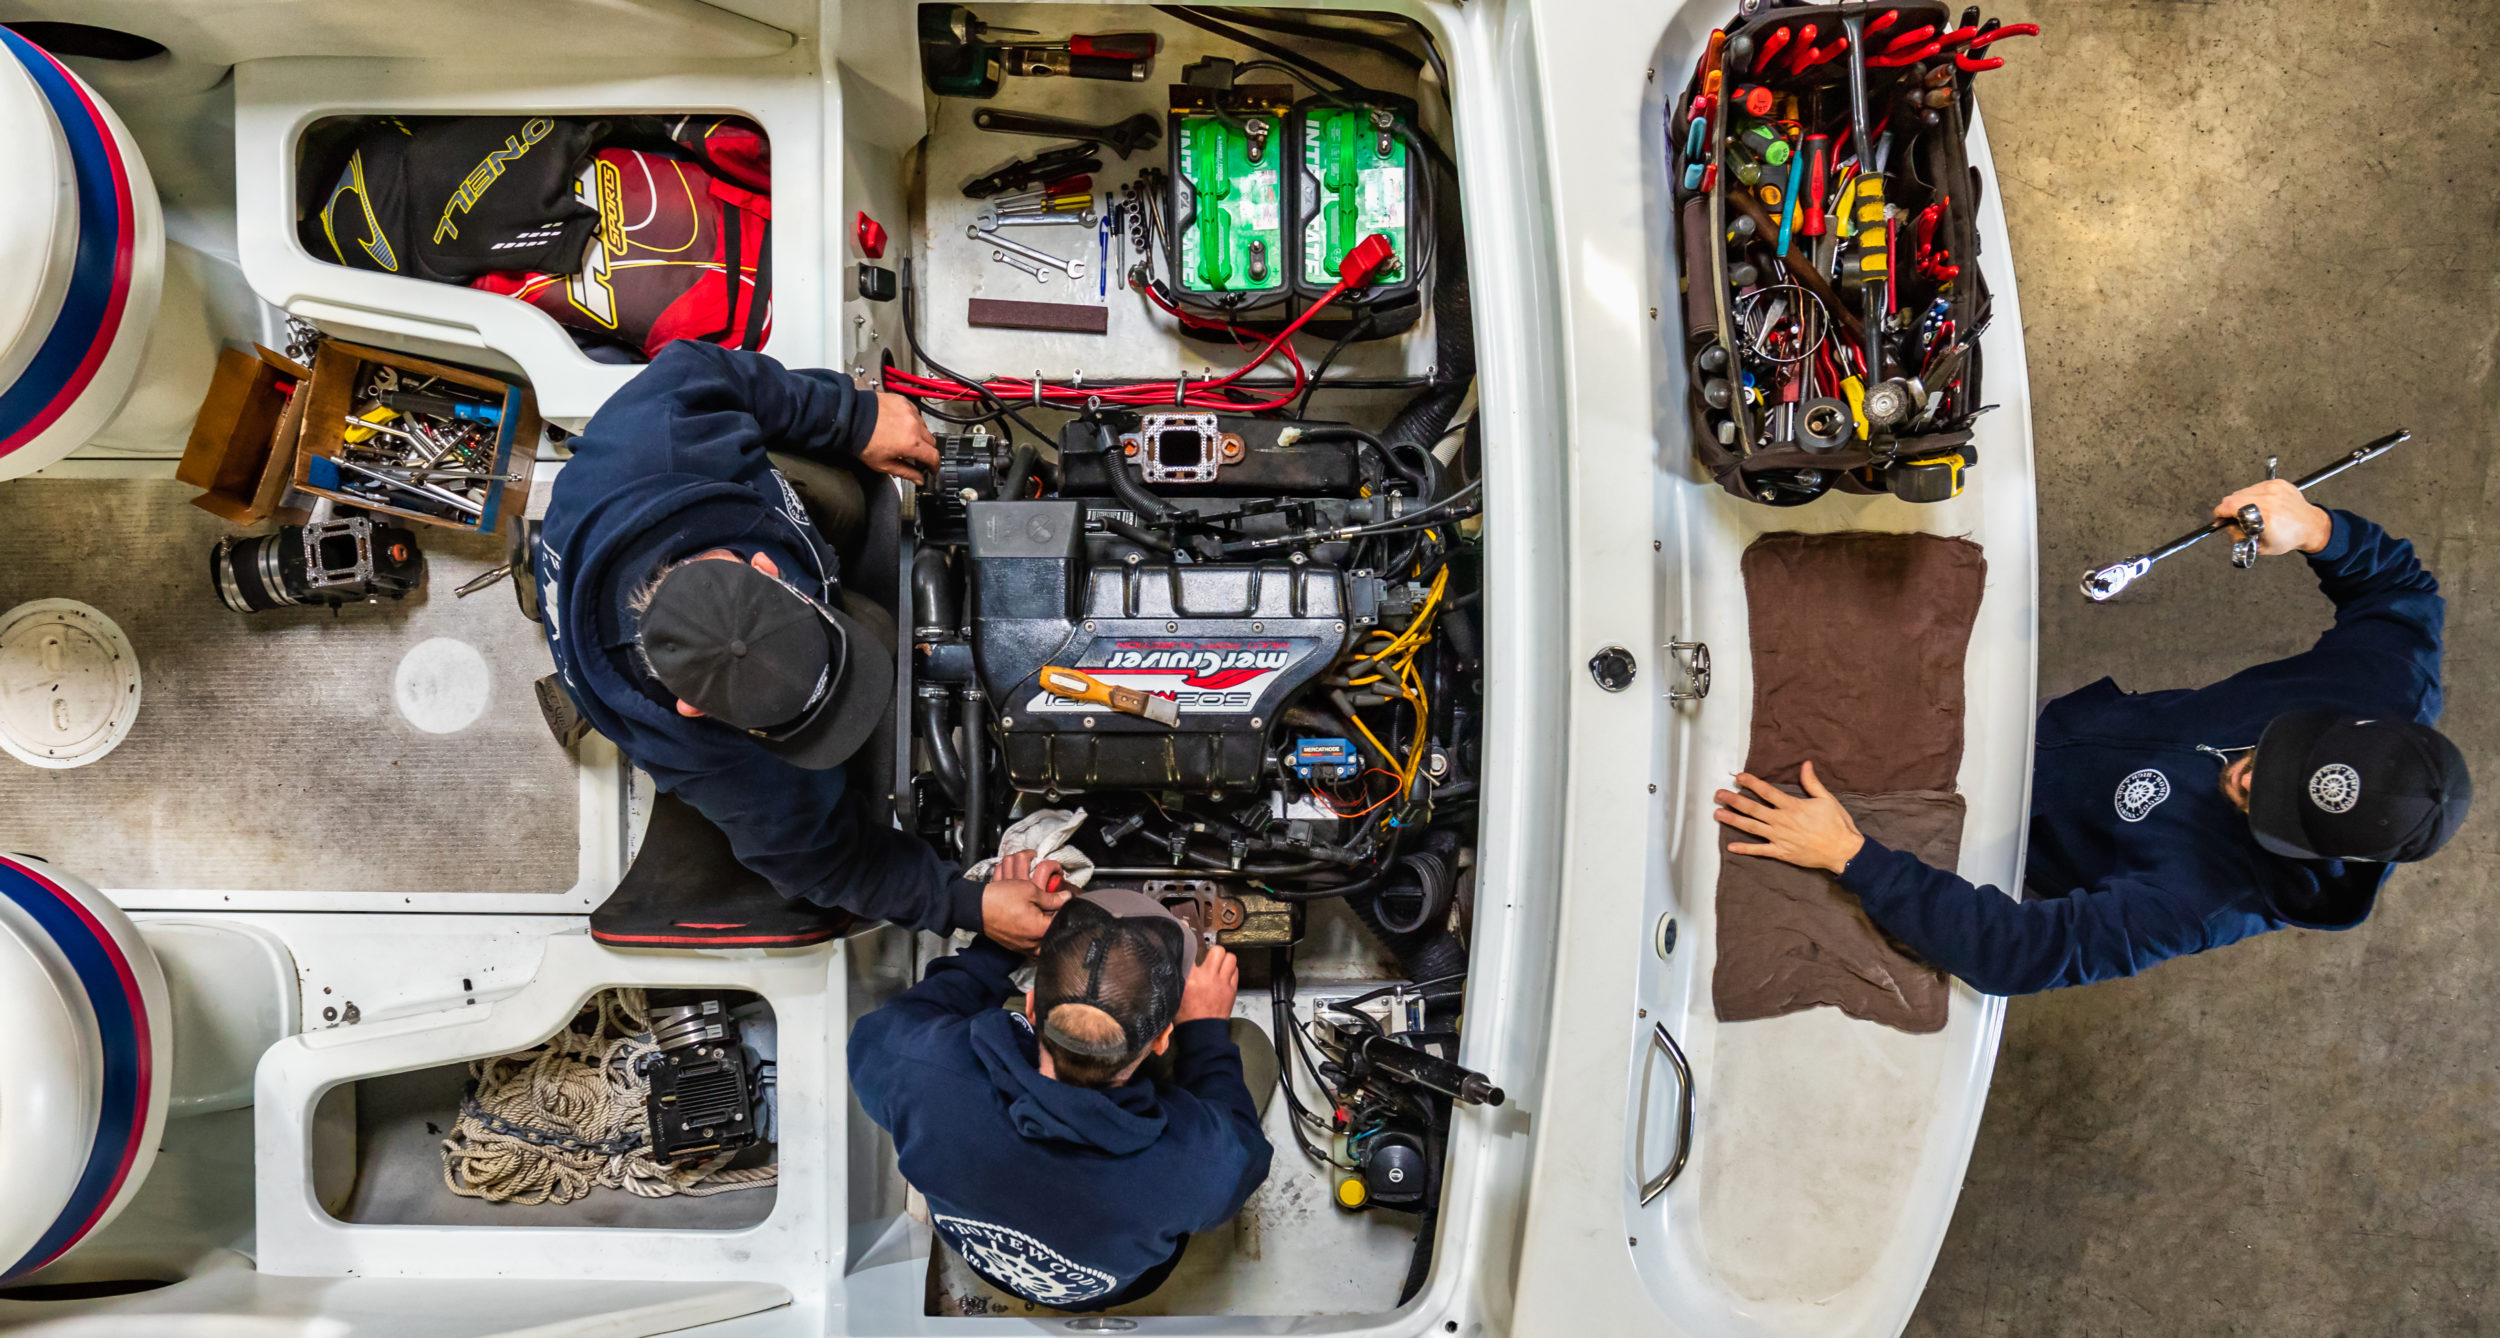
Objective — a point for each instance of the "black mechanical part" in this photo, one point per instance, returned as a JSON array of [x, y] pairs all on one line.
[[345, 560], [1231, 643], [1393, 1171], [1223, 455], [1407, 1064], [1614, 668], [701, 1102]]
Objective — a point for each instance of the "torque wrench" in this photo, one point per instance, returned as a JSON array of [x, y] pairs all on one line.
[[2102, 584], [1075, 268]]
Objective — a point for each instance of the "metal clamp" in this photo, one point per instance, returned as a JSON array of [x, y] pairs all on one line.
[[1656, 1185], [1693, 657]]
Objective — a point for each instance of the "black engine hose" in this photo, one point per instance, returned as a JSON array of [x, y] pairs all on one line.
[[1427, 1231], [1421, 480], [1124, 485], [1019, 472], [1434, 881], [976, 777], [935, 609], [1428, 415], [937, 728], [1426, 953]]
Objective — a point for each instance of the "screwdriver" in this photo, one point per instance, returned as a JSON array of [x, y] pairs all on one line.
[[1078, 686]]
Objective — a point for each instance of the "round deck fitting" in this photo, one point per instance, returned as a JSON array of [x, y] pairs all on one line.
[[69, 684]]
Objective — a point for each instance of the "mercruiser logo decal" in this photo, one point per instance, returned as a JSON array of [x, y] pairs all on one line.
[[1209, 677]]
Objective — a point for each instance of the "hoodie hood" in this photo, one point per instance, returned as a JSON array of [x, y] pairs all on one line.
[[1120, 1121], [618, 541], [2326, 894]]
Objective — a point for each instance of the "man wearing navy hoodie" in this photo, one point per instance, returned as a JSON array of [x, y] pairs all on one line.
[[1058, 1171], [2167, 823], [699, 620]]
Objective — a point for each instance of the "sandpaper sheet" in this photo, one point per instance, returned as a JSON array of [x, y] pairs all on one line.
[[1858, 643], [1790, 938]]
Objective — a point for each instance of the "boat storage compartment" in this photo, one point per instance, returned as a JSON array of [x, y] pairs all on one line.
[[289, 111]]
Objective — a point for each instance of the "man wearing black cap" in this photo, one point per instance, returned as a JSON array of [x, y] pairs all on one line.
[[1051, 1165], [698, 620], [2166, 823]]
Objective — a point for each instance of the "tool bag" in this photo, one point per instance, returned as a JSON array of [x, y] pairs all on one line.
[[1832, 338], [677, 253]]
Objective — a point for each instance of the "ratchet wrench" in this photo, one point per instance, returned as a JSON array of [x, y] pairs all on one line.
[[1075, 269], [2103, 584]]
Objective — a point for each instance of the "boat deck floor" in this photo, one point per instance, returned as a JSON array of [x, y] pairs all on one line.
[[283, 750]]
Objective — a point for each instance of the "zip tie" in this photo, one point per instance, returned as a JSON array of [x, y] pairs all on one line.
[[1180, 389], [1037, 387]]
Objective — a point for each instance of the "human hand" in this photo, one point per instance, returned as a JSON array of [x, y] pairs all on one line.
[[901, 445], [1813, 832], [1211, 987], [2292, 520], [1022, 896]]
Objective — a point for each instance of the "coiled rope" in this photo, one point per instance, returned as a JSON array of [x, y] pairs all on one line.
[[550, 1124]]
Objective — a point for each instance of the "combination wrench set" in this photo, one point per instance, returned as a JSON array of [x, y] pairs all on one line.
[[1064, 202]]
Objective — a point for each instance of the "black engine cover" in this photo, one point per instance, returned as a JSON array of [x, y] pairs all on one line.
[[1231, 644]]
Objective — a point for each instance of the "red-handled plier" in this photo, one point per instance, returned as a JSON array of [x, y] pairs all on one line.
[[1770, 47], [1987, 35], [1912, 56], [1929, 261], [1808, 56]]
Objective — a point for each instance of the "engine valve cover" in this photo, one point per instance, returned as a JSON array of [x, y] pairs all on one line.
[[1230, 644]]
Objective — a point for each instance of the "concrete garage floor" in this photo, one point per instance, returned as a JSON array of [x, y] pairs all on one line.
[[2249, 227]]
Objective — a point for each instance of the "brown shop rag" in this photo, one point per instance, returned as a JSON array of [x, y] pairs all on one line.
[[1858, 643], [1790, 938]]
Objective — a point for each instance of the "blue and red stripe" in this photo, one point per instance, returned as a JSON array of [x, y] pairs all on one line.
[[99, 287], [121, 1016]]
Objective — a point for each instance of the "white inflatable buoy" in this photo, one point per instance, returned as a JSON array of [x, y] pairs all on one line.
[[82, 259], [69, 684]]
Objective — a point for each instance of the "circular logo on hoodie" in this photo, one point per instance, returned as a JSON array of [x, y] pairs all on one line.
[[2335, 787], [2141, 793], [1022, 1264]]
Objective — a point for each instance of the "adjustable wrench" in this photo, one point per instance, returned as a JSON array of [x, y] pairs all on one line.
[[1075, 269], [1141, 131]]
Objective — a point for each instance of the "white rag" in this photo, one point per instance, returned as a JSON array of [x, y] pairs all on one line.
[[1045, 832]]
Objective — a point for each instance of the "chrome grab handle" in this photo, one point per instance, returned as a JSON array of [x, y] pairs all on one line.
[[1657, 1185], [1693, 657]]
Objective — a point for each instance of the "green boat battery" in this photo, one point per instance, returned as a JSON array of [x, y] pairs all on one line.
[[1356, 179], [1228, 190]]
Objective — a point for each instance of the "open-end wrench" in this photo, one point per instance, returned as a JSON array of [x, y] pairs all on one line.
[[1141, 131], [2101, 585], [991, 218], [1075, 269], [1040, 275]]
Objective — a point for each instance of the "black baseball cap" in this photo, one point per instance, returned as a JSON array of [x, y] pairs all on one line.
[[2332, 786], [1118, 951], [807, 681]]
